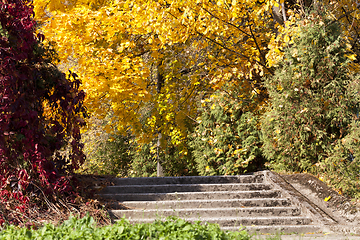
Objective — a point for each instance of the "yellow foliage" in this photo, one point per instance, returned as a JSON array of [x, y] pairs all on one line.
[[118, 48]]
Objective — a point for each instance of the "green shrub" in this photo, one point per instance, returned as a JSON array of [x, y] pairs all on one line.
[[144, 162], [342, 168], [106, 153], [310, 125], [85, 228], [227, 139], [121, 156]]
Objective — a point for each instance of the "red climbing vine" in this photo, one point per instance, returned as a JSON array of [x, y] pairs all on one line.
[[41, 111]]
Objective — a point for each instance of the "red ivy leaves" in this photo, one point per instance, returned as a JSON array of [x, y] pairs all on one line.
[[29, 138]]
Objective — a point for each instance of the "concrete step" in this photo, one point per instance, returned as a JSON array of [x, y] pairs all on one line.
[[226, 203], [209, 212], [253, 201], [192, 195], [238, 222], [171, 188], [251, 178], [279, 229]]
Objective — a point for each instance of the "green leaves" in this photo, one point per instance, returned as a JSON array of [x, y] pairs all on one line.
[[315, 105], [78, 229], [227, 139]]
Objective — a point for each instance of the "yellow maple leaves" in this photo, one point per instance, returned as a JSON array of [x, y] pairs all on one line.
[[115, 47]]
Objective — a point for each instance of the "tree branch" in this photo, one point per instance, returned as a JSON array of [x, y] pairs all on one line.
[[344, 15], [233, 25], [233, 51], [257, 45]]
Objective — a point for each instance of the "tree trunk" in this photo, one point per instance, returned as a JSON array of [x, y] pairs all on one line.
[[160, 83]]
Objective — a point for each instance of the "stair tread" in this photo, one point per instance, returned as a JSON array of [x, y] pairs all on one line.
[[230, 218], [257, 177], [245, 191], [186, 185], [233, 221], [272, 226], [306, 228], [192, 195], [201, 209], [206, 200], [169, 188]]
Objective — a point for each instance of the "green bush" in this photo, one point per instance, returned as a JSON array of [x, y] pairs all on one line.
[[85, 228], [106, 153], [121, 156], [310, 125], [227, 139], [144, 162], [342, 168]]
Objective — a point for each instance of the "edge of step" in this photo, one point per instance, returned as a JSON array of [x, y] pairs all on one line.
[[236, 221], [280, 229], [209, 212], [245, 202], [170, 188], [192, 195], [258, 177]]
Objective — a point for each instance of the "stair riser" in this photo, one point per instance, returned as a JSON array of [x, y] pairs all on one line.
[[256, 178], [237, 203], [185, 188], [243, 222], [193, 196], [207, 213]]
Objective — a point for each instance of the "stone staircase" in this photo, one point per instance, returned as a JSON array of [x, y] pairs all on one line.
[[255, 201]]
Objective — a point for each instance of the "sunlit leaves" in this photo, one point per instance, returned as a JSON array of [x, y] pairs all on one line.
[[117, 46]]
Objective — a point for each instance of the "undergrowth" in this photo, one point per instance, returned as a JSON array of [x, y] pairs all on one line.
[[85, 228]]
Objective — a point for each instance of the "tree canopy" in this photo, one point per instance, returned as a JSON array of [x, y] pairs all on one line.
[[156, 56]]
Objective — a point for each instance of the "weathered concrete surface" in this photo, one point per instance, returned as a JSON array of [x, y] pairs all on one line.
[[177, 196], [338, 215], [250, 178], [308, 207], [203, 203], [210, 212], [168, 188], [229, 223], [326, 236], [263, 202]]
